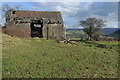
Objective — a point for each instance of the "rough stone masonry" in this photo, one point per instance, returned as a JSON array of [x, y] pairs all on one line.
[[42, 24]]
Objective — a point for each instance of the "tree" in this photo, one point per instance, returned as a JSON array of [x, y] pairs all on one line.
[[92, 26], [6, 9]]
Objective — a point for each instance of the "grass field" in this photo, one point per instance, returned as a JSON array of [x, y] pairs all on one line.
[[39, 58], [75, 33]]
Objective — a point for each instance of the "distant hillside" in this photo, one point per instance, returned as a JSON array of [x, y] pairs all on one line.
[[115, 34], [117, 31], [104, 30], [109, 30], [73, 29]]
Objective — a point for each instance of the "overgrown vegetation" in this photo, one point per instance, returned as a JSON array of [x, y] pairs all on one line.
[[39, 58]]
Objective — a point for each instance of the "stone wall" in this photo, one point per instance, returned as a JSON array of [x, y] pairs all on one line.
[[53, 31], [50, 31], [18, 30]]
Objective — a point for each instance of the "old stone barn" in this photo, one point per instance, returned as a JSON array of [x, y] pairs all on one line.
[[42, 24]]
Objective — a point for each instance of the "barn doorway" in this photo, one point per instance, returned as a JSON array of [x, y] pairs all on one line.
[[36, 30]]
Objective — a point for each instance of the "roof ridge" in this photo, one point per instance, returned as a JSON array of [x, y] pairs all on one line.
[[35, 11]]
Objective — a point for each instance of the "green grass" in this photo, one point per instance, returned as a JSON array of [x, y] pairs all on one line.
[[39, 58]]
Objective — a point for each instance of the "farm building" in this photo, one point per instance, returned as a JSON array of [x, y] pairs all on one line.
[[42, 24]]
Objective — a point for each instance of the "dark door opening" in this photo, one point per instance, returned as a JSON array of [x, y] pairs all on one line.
[[36, 30]]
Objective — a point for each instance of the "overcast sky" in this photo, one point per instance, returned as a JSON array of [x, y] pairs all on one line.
[[74, 12]]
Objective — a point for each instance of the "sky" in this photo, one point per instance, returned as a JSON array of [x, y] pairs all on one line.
[[74, 12]]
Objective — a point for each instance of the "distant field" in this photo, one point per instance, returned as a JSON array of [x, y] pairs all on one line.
[[74, 33], [77, 33], [39, 58], [104, 30]]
